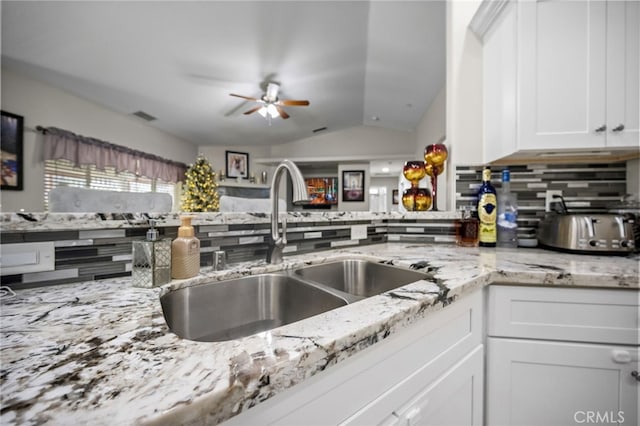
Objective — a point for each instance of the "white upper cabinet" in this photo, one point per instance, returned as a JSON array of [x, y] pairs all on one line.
[[623, 73], [561, 75]]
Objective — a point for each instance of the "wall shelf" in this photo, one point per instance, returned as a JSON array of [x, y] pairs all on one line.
[[244, 184]]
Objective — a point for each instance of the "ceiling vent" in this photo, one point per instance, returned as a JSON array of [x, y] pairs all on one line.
[[144, 116]]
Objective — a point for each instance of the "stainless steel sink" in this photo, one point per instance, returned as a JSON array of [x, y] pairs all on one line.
[[359, 277], [231, 309]]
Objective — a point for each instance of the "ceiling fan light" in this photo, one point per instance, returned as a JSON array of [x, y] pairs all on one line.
[[273, 111], [263, 112]]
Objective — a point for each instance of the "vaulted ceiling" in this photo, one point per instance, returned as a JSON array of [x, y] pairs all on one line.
[[377, 63]]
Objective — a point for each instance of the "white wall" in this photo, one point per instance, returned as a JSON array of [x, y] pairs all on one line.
[[216, 155], [355, 141], [430, 130], [464, 90], [464, 84], [44, 105], [433, 126]]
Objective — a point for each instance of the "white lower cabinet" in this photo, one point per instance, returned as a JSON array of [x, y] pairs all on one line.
[[554, 356], [552, 383], [429, 373], [454, 399], [562, 356]]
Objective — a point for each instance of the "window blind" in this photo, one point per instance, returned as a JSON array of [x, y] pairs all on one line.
[[63, 173]]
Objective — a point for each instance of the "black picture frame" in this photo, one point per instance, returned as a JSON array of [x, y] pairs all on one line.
[[237, 164], [352, 185], [11, 150], [395, 198]]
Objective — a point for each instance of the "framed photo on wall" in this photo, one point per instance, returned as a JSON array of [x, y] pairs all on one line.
[[237, 164], [11, 151], [353, 185], [394, 196]]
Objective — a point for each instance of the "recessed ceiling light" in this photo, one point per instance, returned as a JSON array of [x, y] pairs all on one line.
[[385, 170]]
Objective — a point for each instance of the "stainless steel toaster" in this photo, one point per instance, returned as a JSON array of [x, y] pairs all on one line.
[[587, 233]]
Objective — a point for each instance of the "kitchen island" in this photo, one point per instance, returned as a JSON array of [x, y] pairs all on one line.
[[100, 352]]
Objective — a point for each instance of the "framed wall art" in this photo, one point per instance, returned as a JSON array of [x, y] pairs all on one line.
[[237, 164], [11, 151], [353, 185], [394, 196]]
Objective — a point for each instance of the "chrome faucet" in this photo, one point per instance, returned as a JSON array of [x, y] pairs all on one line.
[[300, 196]]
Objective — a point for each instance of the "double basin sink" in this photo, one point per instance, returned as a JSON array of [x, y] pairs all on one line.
[[235, 308]]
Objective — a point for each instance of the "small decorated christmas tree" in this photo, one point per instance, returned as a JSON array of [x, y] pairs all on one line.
[[200, 190]]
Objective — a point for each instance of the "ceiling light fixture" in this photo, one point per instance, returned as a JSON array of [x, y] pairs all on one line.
[[385, 170], [269, 111]]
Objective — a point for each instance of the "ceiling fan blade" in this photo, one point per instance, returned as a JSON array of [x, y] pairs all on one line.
[[249, 98], [291, 102], [282, 112], [252, 110]]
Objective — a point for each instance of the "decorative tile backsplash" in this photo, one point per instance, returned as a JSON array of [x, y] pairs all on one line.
[[93, 254], [102, 248], [585, 188]]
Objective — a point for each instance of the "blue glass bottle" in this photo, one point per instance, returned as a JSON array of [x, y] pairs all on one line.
[[487, 211]]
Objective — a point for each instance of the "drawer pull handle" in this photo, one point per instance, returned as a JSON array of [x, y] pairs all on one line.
[[618, 128], [601, 129], [622, 357], [636, 375]]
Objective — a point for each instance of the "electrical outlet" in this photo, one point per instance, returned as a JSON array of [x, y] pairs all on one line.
[[23, 258], [549, 198]]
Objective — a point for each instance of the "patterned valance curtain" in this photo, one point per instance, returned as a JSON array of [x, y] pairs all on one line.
[[83, 151]]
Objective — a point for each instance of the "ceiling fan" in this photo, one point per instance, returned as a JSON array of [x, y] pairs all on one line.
[[270, 106]]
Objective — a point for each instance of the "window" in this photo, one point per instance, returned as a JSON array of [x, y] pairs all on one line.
[[63, 173]]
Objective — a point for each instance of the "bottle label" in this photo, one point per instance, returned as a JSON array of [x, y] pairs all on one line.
[[194, 248], [487, 212]]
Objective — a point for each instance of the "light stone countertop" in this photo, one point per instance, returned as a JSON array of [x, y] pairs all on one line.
[[100, 352], [17, 222]]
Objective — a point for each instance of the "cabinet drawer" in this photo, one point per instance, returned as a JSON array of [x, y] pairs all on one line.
[[570, 314]]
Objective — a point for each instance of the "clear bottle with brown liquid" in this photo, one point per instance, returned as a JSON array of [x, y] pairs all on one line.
[[467, 229], [185, 251]]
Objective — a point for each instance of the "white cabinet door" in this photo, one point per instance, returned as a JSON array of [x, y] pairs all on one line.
[[562, 66], [552, 383], [454, 399], [367, 387], [623, 73]]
